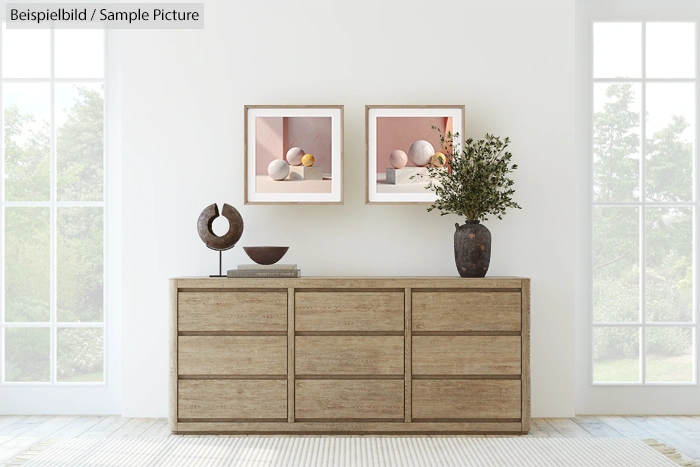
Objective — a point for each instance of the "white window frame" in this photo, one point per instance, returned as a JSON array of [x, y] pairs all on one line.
[[641, 397], [84, 398], [642, 204]]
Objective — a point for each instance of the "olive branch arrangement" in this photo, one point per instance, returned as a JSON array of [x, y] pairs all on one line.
[[475, 183]]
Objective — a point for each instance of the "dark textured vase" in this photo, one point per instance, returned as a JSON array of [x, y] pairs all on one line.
[[472, 249]]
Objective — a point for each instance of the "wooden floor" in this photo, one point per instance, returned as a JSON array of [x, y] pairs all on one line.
[[18, 433]]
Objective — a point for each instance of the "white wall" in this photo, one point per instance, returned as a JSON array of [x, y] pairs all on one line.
[[510, 63]]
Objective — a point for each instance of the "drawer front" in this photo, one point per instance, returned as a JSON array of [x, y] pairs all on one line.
[[349, 355], [349, 399], [220, 399], [349, 311], [466, 355], [466, 311], [473, 399], [232, 311], [232, 355]]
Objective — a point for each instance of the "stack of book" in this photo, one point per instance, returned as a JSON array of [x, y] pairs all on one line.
[[261, 270]]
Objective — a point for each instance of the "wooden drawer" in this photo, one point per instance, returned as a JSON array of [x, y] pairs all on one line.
[[466, 355], [239, 399], [349, 355], [466, 311], [349, 311], [472, 399], [232, 355], [349, 399], [232, 311]]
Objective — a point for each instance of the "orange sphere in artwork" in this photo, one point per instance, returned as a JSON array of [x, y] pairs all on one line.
[[438, 159], [308, 160]]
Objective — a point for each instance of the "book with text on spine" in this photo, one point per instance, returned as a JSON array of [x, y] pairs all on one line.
[[274, 273], [265, 267]]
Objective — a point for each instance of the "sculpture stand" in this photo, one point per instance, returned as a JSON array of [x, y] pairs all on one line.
[[220, 271]]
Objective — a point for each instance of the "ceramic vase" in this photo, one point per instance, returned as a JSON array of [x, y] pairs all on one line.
[[472, 249]]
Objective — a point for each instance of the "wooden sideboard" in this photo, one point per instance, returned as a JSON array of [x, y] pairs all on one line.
[[402, 355]]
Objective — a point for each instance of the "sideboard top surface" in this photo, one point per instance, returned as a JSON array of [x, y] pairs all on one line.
[[352, 282]]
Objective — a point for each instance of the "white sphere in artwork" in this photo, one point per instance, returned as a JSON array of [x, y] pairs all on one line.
[[420, 152], [398, 159], [294, 156], [278, 169]]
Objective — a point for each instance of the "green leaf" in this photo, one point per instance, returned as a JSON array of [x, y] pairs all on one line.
[[476, 182]]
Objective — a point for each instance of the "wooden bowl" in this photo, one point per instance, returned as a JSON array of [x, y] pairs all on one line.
[[265, 254]]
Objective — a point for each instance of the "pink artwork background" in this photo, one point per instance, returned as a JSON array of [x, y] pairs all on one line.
[[400, 132], [269, 142], [274, 136]]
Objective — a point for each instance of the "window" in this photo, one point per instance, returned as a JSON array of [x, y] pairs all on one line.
[[52, 311], [644, 203]]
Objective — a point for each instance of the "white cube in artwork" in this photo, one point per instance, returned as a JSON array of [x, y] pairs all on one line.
[[403, 175], [305, 173]]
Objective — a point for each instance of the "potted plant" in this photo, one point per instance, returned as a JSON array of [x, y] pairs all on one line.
[[475, 184]]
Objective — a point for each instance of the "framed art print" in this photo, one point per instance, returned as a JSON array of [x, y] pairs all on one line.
[[293, 154], [400, 143]]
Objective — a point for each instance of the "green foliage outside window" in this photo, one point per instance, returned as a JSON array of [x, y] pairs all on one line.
[[79, 241], [616, 268]]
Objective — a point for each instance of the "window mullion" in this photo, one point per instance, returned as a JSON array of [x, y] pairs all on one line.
[[613, 324], [105, 223], [695, 317], [645, 80], [591, 205], [643, 211], [48, 204], [54, 80], [2, 223], [669, 204], [53, 214]]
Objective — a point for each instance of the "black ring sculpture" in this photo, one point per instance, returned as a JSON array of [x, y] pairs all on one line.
[[226, 241]]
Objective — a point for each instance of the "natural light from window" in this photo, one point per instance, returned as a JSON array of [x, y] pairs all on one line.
[[644, 203], [53, 209]]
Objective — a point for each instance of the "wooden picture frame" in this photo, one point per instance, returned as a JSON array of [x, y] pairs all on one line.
[[390, 128], [273, 132]]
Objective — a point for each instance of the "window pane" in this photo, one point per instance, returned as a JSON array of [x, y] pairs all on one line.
[[80, 355], [616, 136], [79, 263], [669, 355], [670, 50], [617, 50], [27, 264], [615, 355], [79, 142], [79, 53], [27, 354], [26, 53], [615, 264], [669, 264], [670, 140], [26, 141]]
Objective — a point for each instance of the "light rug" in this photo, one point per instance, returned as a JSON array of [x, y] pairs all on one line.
[[360, 451]]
